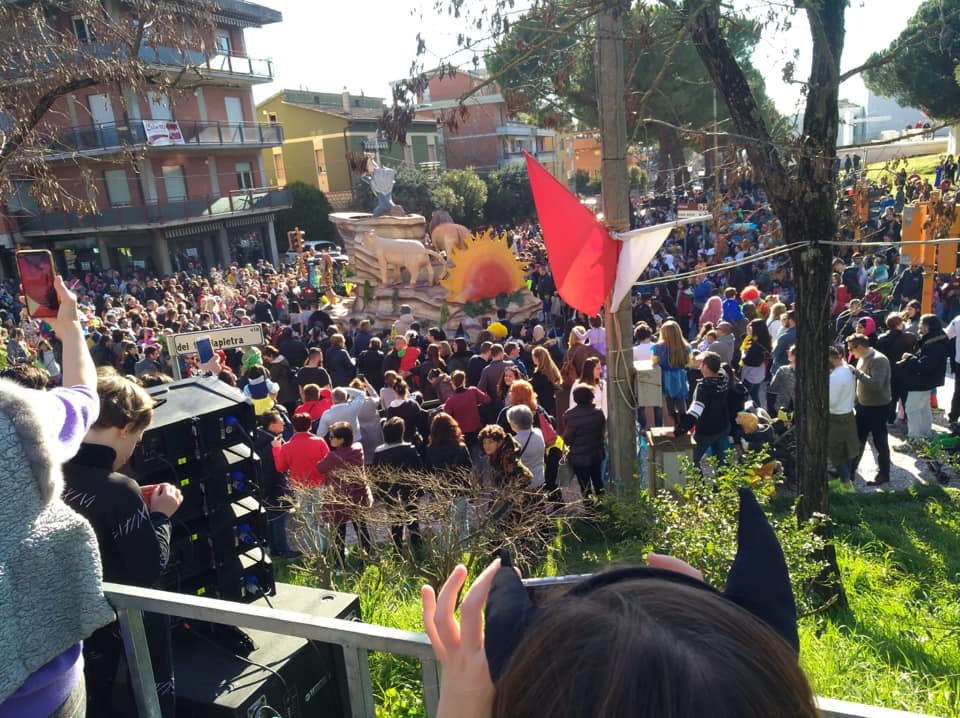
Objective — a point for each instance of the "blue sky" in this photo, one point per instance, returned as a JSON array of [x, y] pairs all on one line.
[[364, 44]]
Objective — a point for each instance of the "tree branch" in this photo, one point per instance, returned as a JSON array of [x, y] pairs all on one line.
[[891, 53], [17, 138]]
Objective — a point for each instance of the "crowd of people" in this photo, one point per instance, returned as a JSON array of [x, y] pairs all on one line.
[[342, 405]]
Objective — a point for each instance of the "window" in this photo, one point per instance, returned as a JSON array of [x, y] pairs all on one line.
[[159, 106], [280, 169], [408, 153], [174, 182], [118, 188], [431, 149], [244, 175], [320, 161], [81, 30], [223, 42], [272, 118]]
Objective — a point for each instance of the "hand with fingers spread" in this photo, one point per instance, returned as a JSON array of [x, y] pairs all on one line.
[[466, 690]]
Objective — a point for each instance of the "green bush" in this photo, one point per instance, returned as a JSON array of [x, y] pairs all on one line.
[[509, 196], [698, 523], [470, 191], [445, 198], [309, 211]]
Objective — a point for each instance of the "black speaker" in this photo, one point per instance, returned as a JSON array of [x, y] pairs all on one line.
[[193, 418], [297, 678], [199, 440]]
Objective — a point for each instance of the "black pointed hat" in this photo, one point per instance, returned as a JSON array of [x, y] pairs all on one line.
[[758, 582]]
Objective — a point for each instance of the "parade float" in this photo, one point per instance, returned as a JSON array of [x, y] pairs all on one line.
[[447, 276]]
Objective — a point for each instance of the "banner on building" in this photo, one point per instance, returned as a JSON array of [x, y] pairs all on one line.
[[161, 133]]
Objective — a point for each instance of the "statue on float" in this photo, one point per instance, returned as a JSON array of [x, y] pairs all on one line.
[[400, 254], [446, 234], [381, 181]]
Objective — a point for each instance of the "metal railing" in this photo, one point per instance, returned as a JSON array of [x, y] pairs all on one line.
[[356, 639], [232, 63], [112, 137], [237, 201]]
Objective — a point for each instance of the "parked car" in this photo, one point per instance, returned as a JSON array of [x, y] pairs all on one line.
[[336, 254]]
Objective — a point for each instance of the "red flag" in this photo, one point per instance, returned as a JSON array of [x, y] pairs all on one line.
[[581, 253]]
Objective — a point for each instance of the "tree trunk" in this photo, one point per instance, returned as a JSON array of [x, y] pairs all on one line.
[[670, 159]]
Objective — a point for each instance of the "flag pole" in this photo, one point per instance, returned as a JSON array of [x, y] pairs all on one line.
[[621, 414]]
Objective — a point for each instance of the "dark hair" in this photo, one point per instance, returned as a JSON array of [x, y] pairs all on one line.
[[730, 293], [834, 353], [642, 332], [761, 334], [458, 378], [268, 417], [485, 347], [492, 431], [27, 376], [712, 361], [932, 322], [311, 392], [342, 430], [444, 429], [679, 650], [302, 421], [857, 340], [893, 321], [496, 349], [586, 371], [393, 429], [583, 395]]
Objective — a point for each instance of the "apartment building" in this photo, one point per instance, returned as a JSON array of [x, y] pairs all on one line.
[[198, 192], [488, 137], [321, 128]]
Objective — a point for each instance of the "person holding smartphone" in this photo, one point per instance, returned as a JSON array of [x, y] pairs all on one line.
[[133, 530], [51, 577]]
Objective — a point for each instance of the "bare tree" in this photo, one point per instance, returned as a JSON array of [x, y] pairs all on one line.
[[49, 50]]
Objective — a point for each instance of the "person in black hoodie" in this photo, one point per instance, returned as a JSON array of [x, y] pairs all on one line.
[[709, 410], [583, 432], [133, 530], [922, 372], [399, 455], [893, 344], [274, 485]]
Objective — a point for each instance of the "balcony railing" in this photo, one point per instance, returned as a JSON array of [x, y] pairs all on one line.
[[188, 210], [232, 63], [93, 138]]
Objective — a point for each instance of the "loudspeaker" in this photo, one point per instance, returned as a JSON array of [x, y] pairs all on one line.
[[193, 418], [199, 440], [297, 678]]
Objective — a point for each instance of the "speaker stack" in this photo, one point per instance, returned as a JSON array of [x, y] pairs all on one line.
[[200, 441]]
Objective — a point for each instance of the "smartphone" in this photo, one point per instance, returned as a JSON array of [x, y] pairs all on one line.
[[204, 349], [36, 277]]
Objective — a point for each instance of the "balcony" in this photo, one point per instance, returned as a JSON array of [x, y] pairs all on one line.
[[233, 64], [520, 129], [95, 139], [517, 158], [188, 211]]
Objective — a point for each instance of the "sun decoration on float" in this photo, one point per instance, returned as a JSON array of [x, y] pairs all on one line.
[[486, 269]]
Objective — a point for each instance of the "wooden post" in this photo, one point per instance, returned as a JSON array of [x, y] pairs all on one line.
[[621, 414]]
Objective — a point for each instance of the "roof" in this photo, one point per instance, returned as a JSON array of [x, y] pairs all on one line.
[[245, 13], [356, 113]]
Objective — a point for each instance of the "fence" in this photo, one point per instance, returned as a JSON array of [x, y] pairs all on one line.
[[357, 640]]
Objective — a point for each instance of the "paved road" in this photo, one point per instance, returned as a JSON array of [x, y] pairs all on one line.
[[906, 468]]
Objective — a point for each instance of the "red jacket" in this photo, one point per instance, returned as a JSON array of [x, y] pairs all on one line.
[[462, 406], [300, 457], [316, 408]]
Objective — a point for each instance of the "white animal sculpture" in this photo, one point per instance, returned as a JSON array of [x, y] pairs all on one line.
[[400, 254]]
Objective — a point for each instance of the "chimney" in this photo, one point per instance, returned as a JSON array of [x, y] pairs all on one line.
[[346, 100]]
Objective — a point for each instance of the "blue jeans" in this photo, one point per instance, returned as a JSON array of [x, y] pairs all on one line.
[[278, 532], [717, 444]]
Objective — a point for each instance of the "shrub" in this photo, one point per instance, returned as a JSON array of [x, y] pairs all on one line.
[[698, 523]]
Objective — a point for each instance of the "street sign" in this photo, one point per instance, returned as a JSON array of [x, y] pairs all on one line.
[[229, 338]]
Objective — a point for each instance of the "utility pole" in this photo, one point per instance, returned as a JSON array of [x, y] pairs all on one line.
[[621, 414]]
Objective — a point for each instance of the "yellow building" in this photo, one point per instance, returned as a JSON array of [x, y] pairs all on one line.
[[320, 128]]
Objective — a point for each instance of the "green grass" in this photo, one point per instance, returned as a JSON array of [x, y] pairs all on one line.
[[898, 646], [923, 165]]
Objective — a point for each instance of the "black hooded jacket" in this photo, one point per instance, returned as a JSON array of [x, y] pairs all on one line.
[[709, 407]]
